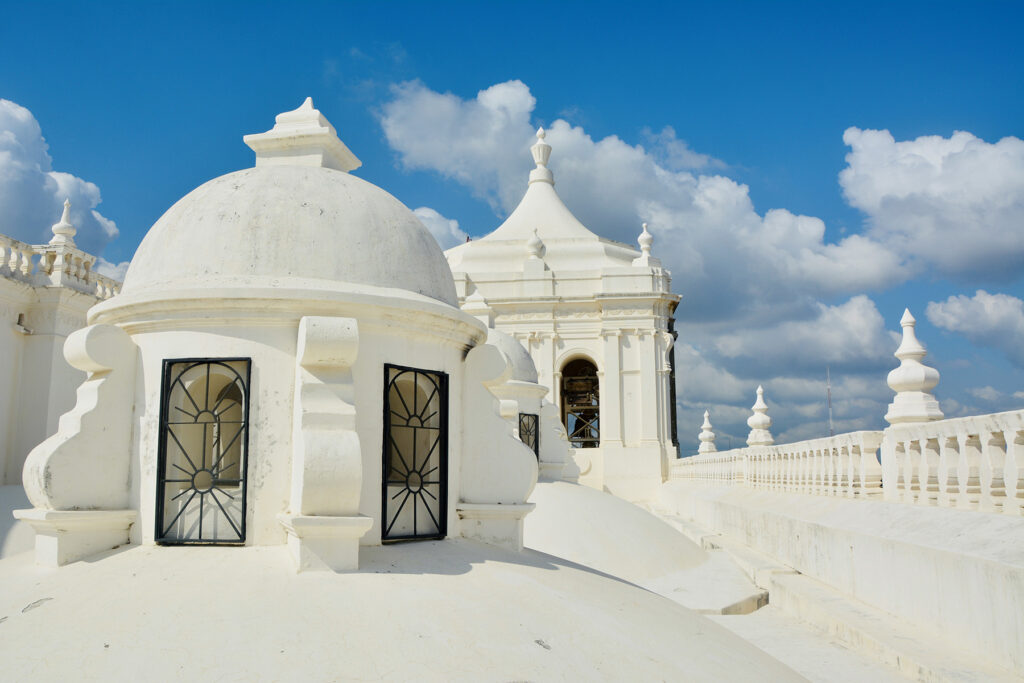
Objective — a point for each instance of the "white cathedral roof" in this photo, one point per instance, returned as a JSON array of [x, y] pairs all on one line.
[[568, 244], [296, 220]]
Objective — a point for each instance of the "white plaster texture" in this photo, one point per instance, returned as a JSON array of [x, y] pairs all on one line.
[[455, 610]]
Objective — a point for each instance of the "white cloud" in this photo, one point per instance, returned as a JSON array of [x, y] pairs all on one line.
[[445, 230], [850, 336], [115, 271], [32, 193], [768, 298], [985, 393], [705, 226], [993, 320], [954, 204]]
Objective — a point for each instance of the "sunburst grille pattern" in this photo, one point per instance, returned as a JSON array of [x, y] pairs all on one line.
[[528, 433], [415, 454], [201, 480]]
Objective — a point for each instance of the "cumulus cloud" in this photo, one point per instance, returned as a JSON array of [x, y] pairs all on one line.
[[992, 320], [847, 337], [768, 298], [705, 224], [954, 204], [111, 270], [445, 230], [32, 192]]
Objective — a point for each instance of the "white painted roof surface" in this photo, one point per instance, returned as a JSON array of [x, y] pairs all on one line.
[[606, 533], [453, 610]]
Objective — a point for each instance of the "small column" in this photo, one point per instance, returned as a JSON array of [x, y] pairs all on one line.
[[707, 437], [912, 380], [759, 422]]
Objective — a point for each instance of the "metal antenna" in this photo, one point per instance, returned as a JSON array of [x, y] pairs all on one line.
[[828, 397]]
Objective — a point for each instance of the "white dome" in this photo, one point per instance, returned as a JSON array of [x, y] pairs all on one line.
[[523, 368], [290, 225]]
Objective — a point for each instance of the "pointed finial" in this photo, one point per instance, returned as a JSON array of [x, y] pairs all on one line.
[[645, 240], [63, 231], [541, 153], [535, 246], [912, 380], [706, 436], [759, 422]]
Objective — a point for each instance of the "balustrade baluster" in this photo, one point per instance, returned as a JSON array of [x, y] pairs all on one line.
[[993, 459], [967, 472], [1013, 472]]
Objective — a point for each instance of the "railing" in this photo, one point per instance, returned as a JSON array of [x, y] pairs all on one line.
[[841, 465], [54, 265], [974, 463], [969, 462]]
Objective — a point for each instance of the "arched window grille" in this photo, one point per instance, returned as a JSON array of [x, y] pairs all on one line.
[[581, 405], [203, 451], [528, 432], [415, 483]]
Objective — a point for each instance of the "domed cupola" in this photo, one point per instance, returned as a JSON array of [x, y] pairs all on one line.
[[298, 220]]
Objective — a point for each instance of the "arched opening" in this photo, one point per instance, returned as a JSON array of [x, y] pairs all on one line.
[[415, 454], [203, 440], [581, 405]]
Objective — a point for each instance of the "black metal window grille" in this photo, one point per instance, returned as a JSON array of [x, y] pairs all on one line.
[[528, 433], [581, 405], [415, 482], [203, 451]]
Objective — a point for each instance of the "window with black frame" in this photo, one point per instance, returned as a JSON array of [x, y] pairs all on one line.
[[581, 405], [415, 485], [528, 432], [203, 451]]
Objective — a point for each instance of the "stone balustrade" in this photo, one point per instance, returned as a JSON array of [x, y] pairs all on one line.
[[969, 462], [974, 463], [841, 465], [58, 265]]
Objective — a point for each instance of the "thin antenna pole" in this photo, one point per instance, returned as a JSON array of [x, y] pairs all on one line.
[[828, 398]]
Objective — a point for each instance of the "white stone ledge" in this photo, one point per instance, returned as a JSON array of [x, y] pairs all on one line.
[[65, 536], [956, 574]]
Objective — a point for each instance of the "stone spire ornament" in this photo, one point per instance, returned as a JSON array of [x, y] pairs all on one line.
[[912, 380], [64, 232], [706, 436], [759, 422], [302, 137], [541, 153], [645, 240]]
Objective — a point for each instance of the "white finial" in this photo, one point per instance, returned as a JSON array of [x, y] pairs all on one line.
[[912, 380], [535, 247], [759, 422], [706, 436], [645, 240], [302, 137], [541, 153], [63, 231]]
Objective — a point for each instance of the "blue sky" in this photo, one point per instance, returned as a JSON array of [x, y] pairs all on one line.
[[148, 100]]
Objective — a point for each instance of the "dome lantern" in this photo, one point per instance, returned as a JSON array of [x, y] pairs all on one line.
[[302, 137]]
